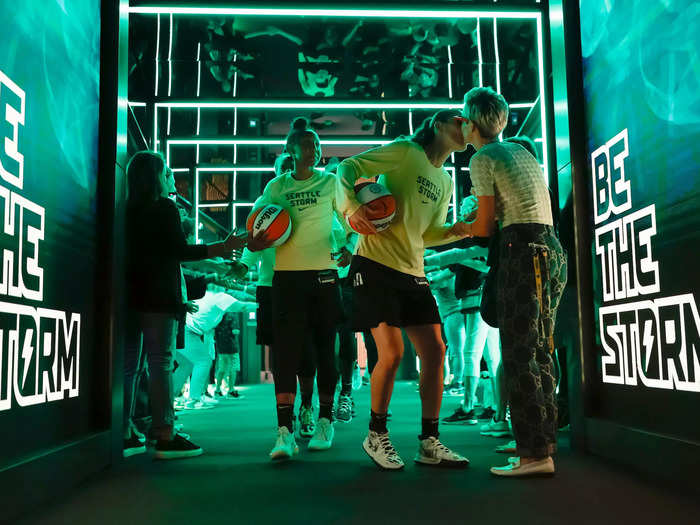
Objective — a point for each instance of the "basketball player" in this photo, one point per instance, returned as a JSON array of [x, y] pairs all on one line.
[[390, 289], [305, 294], [265, 327]]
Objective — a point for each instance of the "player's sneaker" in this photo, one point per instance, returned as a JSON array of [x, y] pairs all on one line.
[[307, 425], [323, 437], [379, 448], [344, 411], [285, 446], [432, 452]]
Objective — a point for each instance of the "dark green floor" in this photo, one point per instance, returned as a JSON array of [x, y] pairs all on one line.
[[235, 483]]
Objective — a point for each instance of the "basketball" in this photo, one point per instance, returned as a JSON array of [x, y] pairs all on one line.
[[272, 220], [379, 203]]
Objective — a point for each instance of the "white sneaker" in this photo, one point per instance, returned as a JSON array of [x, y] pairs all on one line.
[[323, 438], [508, 448], [285, 446], [379, 448], [208, 400], [307, 425], [495, 429], [197, 404], [543, 467], [432, 452]]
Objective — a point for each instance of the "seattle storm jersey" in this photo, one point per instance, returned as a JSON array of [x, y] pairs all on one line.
[[422, 194], [311, 204]]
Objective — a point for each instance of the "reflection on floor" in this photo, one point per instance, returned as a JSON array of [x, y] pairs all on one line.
[[235, 483]]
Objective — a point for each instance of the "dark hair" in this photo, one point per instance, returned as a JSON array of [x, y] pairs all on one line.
[[526, 142], [425, 134], [143, 176], [300, 126]]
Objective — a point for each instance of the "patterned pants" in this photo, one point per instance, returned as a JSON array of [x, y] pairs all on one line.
[[531, 279]]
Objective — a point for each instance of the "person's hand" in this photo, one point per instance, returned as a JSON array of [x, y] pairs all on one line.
[[258, 242], [343, 257], [234, 242], [236, 270], [360, 223], [469, 206], [460, 229], [191, 307]]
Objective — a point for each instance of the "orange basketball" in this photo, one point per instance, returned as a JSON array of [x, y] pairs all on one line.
[[379, 203], [272, 220]]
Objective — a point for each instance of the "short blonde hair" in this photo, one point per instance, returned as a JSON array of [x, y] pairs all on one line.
[[487, 109]]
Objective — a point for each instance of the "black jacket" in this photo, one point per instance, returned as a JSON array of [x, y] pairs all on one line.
[[155, 247]]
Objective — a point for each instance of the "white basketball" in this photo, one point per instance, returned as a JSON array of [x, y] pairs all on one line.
[[272, 220]]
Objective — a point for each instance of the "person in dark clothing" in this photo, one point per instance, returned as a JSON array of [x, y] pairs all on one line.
[[155, 246], [228, 353]]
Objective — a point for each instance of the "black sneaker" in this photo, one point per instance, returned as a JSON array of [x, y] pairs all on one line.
[[487, 413], [176, 448], [461, 416], [235, 394], [133, 446], [344, 411]]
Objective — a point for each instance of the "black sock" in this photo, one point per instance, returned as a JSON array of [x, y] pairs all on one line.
[[346, 389], [306, 398], [285, 416], [377, 423], [430, 428], [326, 411]]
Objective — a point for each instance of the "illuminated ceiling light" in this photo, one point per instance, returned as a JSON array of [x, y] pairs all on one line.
[[340, 13]]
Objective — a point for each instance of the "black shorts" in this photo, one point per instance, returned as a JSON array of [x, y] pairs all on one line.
[[384, 295], [264, 332]]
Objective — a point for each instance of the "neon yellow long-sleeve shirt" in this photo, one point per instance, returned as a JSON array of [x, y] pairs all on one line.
[[422, 192], [311, 204]]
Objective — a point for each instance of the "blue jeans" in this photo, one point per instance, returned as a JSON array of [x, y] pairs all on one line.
[[152, 335]]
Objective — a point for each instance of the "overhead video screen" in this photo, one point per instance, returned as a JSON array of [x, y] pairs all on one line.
[[49, 98], [641, 82]]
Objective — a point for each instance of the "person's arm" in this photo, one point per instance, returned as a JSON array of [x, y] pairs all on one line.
[[250, 259], [439, 233], [482, 176], [456, 256], [369, 164]]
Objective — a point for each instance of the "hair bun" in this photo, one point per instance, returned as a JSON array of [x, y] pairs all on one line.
[[300, 123]]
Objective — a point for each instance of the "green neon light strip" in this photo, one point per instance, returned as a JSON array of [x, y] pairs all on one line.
[[269, 142], [170, 53], [340, 13], [235, 168], [543, 104], [481, 60], [137, 104], [157, 52], [323, 105], [215, 205], [309, 105]]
